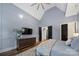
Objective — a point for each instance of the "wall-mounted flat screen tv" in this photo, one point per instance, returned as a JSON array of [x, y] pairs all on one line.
[[27, 31]]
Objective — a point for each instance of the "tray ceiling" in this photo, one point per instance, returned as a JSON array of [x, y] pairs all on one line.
[[37, 10]]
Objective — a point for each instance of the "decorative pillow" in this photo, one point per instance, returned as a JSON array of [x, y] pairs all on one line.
[[75, 43], [68, 42]]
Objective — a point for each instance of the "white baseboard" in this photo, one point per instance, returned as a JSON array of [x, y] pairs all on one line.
[[7, 49]]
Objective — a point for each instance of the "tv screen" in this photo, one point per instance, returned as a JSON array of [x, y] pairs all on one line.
[[27, 31]]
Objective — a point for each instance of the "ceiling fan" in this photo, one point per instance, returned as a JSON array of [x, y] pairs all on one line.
[[38, 5]]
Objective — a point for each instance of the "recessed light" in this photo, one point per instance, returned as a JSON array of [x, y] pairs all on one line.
[[21, 16]]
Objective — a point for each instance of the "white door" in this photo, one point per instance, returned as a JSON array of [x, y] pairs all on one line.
[[71, 29], [44, 33]]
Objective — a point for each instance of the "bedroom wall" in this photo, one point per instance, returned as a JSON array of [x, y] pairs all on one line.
[[0, 27], [11, 21], [55, 17], [78, 23]]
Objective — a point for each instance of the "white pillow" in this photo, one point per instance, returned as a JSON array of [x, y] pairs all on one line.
[[75, 43], [68, 42]]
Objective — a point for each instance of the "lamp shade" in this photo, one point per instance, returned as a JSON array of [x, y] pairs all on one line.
[[76, 34]]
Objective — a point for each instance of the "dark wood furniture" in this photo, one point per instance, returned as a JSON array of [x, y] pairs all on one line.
[[22, 45], [25, 43]]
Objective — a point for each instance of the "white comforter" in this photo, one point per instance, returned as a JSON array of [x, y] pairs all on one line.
[[55, 48], [45, 47]]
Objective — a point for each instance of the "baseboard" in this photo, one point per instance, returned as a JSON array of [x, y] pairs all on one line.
[[7, 49]]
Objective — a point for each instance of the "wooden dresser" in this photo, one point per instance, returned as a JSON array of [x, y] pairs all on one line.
[[25, 43]]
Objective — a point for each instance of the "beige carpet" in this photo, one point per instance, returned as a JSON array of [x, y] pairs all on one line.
[[30, 52]]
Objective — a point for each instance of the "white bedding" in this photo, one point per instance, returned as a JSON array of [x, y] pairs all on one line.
[[55, 48], [60, 49], [45, 47]]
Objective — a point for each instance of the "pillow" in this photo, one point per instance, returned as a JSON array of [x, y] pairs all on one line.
[[68, 42], [75, 43]]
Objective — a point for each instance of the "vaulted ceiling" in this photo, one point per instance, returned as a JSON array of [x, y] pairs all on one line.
[[38, 13]]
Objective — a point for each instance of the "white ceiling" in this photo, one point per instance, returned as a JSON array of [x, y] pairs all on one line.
[[72, 9], [32, 10]]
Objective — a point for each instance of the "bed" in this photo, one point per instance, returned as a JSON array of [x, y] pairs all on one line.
[[54, 47]]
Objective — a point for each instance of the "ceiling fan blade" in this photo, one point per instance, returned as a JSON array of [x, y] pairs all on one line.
[[38, 6], [42, 6], [33, 4]]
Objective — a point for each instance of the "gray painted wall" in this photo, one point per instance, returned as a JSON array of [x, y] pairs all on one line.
[[0, 27], [78, 23], [11, 21], [55, 17]]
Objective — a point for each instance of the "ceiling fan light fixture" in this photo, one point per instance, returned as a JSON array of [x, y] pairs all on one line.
[[38, 5]]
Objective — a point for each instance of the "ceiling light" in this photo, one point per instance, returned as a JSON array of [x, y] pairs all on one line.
[[21, 16]]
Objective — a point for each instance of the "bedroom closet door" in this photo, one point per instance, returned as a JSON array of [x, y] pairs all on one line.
[[64, 32], [40, 34], [67, 31], [49, 32], [45, 33]]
